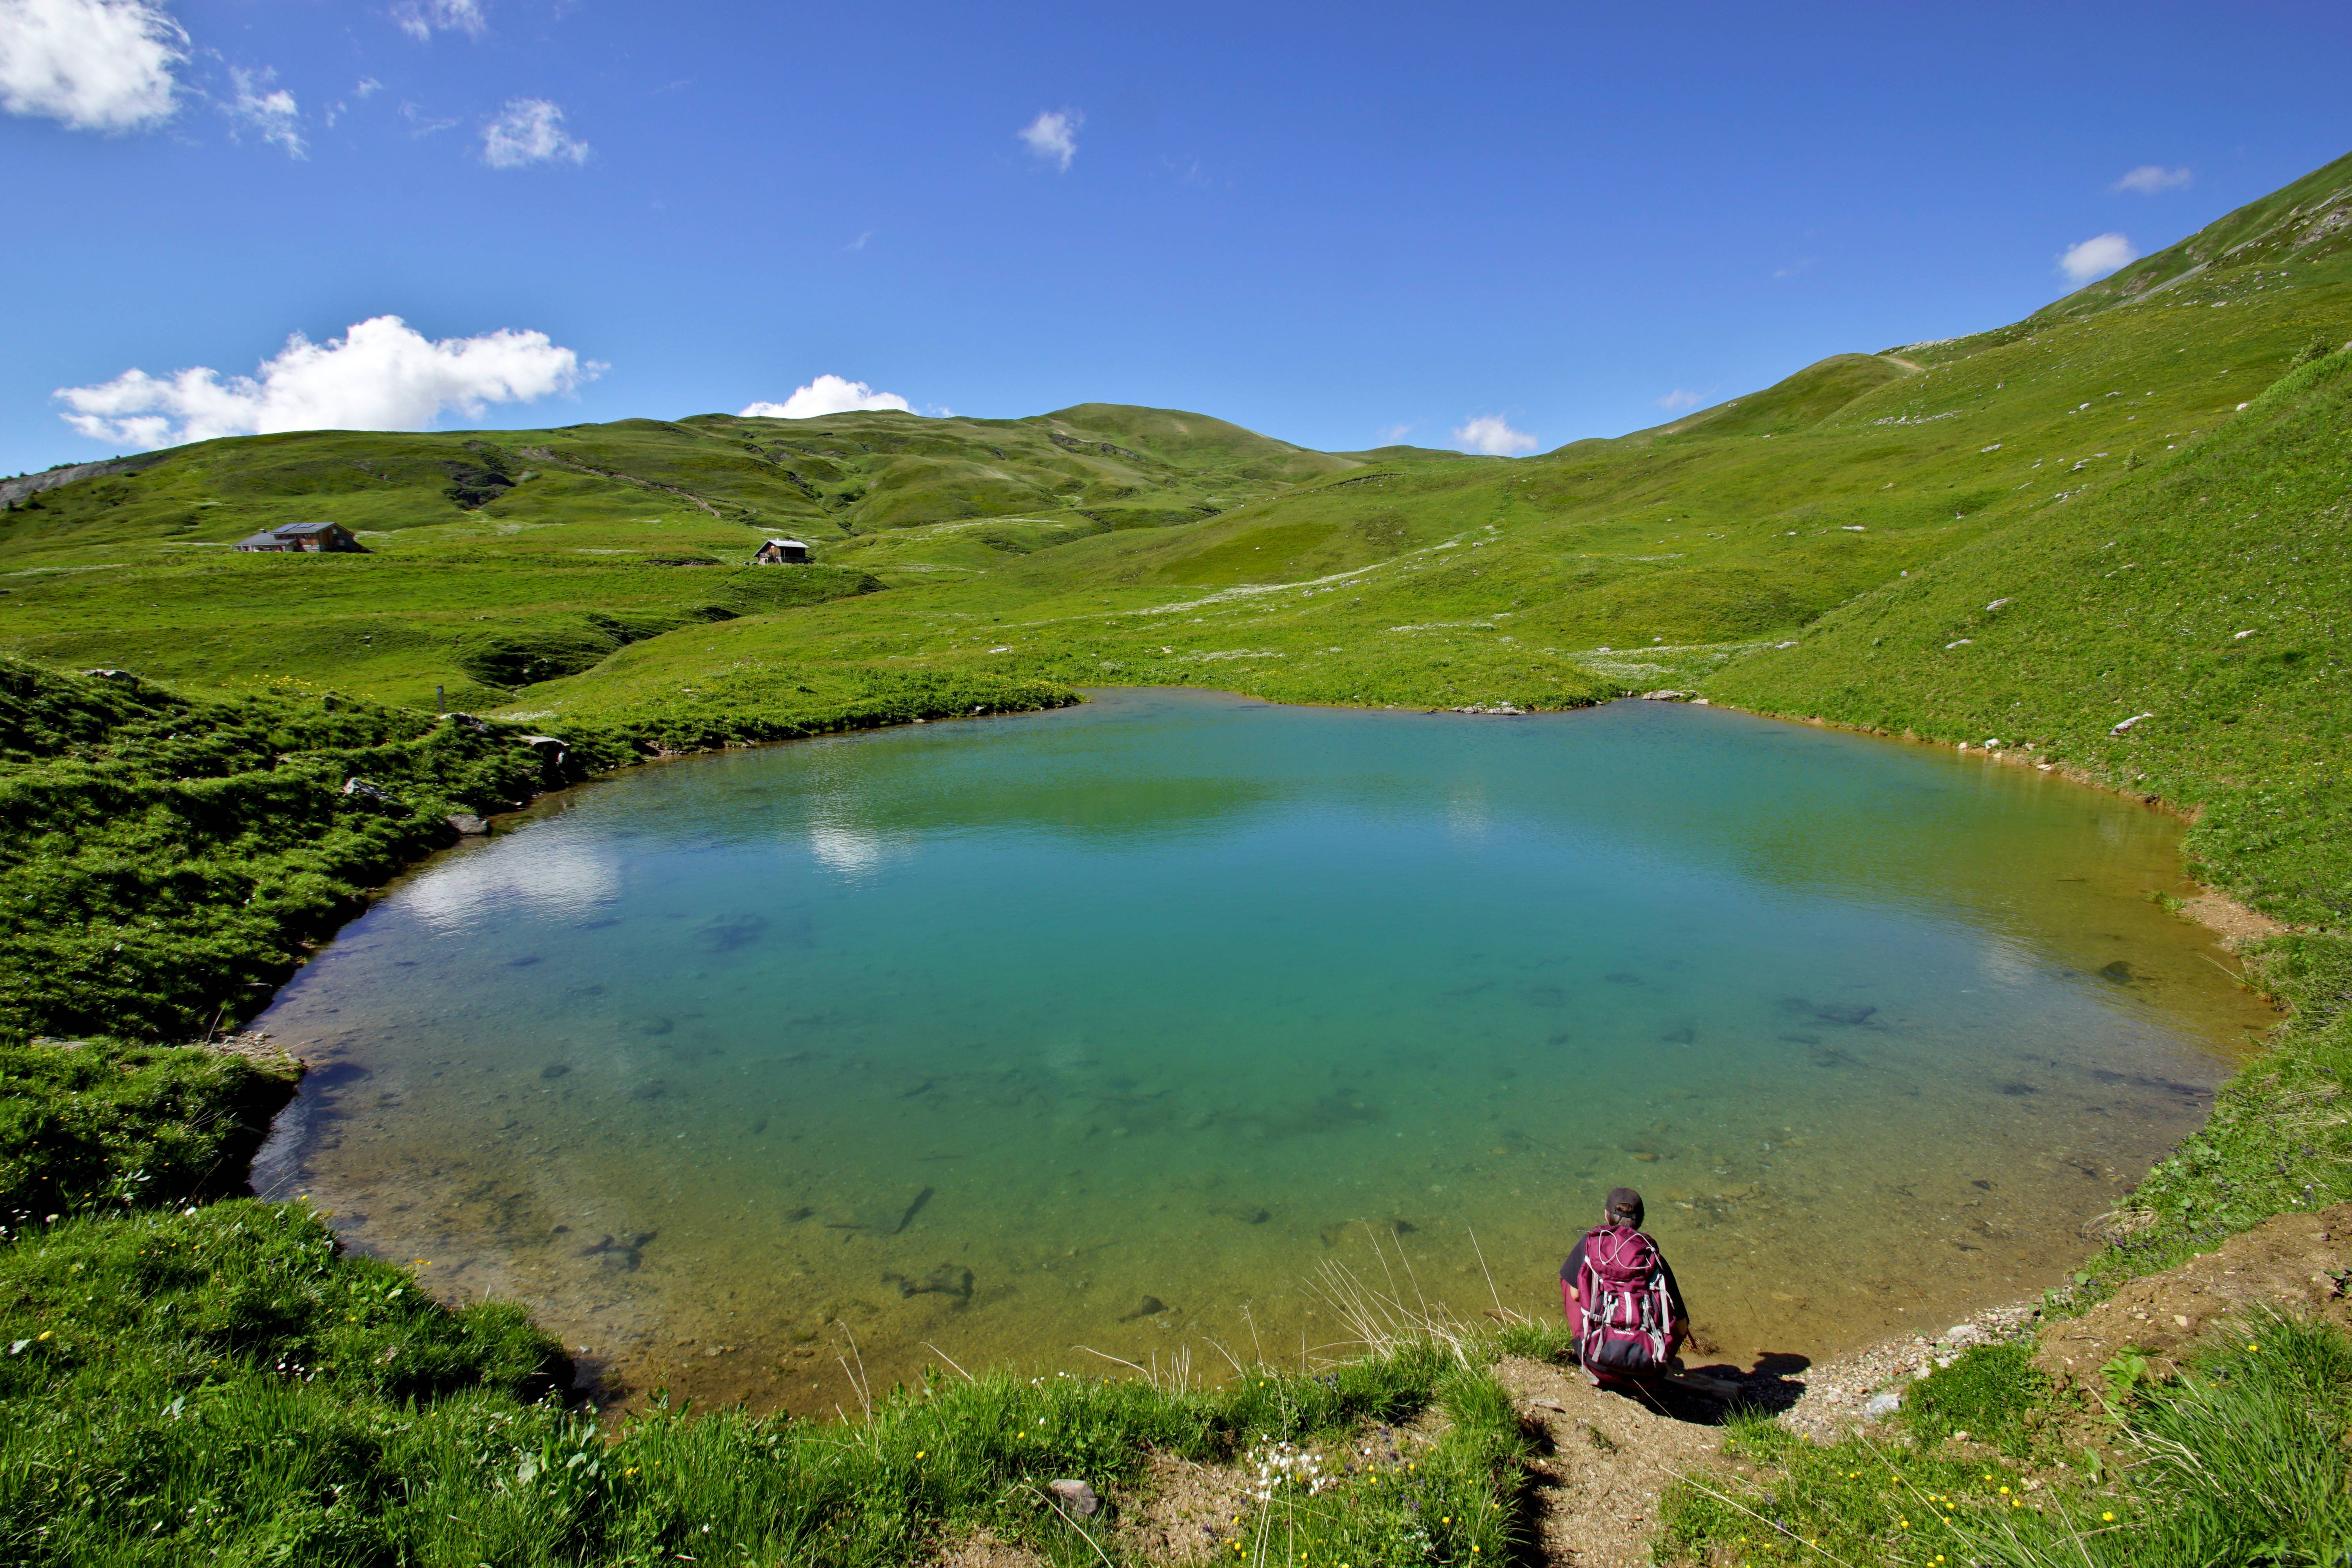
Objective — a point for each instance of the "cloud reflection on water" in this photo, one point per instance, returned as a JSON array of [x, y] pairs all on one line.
[[554, 879], [856, 852]]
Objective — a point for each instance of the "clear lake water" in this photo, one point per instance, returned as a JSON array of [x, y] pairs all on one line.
[[1111, 1027]]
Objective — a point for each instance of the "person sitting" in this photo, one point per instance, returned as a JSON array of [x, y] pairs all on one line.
[[1620, 1295]]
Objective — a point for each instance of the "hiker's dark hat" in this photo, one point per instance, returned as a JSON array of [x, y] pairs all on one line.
[[1624, 1201]]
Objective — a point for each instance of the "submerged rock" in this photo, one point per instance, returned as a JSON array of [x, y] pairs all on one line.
[[623, 1254], [726, 933], [952, 1279], [1848, 1013]]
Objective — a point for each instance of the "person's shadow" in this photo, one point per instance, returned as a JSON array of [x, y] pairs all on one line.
[[1708, 1395]]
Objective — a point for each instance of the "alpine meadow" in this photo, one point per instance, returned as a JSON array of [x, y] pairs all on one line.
[[2108, 542]]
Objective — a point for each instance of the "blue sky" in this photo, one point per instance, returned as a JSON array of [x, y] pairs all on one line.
[[1339, 224]]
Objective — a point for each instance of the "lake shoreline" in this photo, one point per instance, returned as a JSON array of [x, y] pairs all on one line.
[[1783, 1206], [2214, 908], [2208, 1163]]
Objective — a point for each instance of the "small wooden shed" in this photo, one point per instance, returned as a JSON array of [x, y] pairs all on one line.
[[304, 539], [781, 552]]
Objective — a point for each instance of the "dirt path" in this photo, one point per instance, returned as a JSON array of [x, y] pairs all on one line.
[[1607, 1460], [1610, 1457], [1604, 1460]]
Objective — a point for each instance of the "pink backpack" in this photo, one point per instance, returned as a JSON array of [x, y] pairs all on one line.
[[1627, 1311]]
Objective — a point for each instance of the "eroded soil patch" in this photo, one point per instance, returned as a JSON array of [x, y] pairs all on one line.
[[2297, 1263]]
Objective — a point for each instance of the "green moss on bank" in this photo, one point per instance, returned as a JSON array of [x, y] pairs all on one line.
[[2243, 1460], [97, 1127], [224, 1384], [2278, 1139]]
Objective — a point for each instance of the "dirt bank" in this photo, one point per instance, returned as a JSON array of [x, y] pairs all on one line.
[[2297, 1263]]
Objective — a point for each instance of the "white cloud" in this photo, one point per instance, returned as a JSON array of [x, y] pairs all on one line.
[[1391, 433], [1678, 399], [96, 65], [529, 130], [2096, 257], [418, 18], [2154, 179], [424, 123], [826, 394], [1490, 434], [1054, 136], [383, 375], [367, 88], [269, 112]]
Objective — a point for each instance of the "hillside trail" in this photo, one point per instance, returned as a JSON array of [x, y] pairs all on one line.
[[1601, 1465], [1604, 1462]]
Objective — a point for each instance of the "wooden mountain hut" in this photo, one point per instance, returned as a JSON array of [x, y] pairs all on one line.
[[781, 552]]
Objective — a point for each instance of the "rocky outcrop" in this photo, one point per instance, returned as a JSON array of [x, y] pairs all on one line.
[[26, 486]]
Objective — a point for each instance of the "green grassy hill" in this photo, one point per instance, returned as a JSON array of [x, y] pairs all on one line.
[[2206, 602], [2110, 537], [2229, 259], [502, 560], [585, 572], [1825, 546], [1653, 560]]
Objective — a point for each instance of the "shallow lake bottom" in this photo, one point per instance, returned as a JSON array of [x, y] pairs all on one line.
[[1110, 1027]]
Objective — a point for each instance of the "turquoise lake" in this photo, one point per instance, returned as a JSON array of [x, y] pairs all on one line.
[[1110, 1027]]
